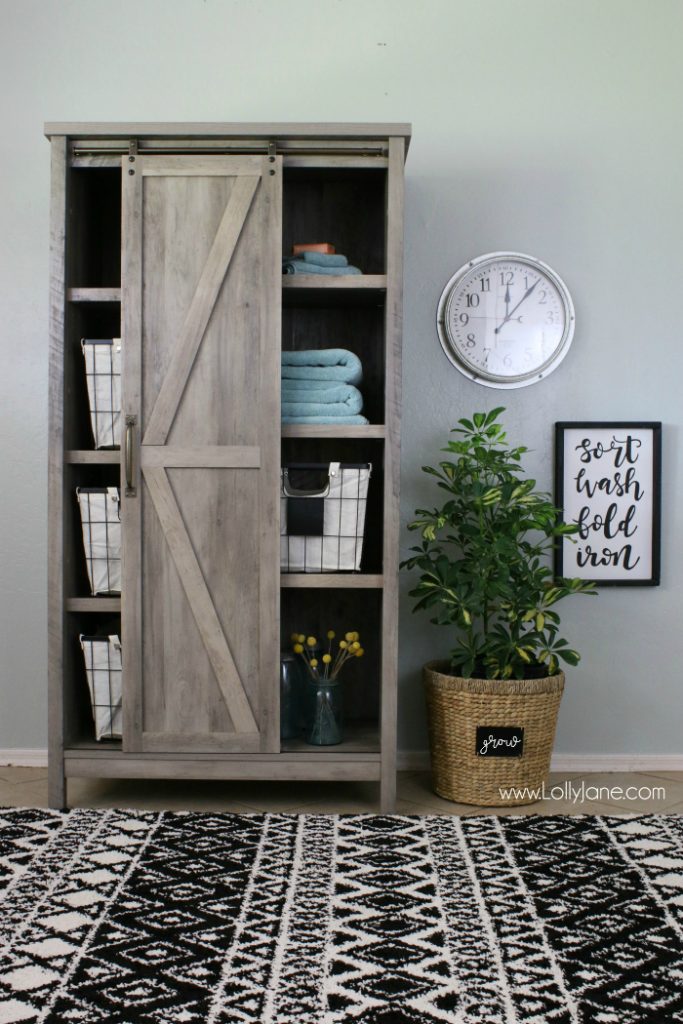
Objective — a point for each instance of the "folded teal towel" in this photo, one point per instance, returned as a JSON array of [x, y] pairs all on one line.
[[326, 364], [354, 420], [337, 400], [324, 259], [297, 266]]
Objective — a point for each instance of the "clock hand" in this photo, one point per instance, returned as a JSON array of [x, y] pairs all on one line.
[[508, 316]]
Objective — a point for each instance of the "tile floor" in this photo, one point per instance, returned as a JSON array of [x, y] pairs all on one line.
[[568, 794]]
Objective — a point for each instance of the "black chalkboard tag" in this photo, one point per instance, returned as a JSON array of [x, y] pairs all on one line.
[[500, 741]]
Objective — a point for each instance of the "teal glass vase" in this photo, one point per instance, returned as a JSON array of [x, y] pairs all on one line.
[[323, 712]]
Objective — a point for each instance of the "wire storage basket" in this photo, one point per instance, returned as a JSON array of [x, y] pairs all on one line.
[[101, 522], [102, 656], [322, 516], [103, 376]]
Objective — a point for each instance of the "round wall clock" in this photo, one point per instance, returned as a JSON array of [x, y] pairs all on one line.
[[505, 320]]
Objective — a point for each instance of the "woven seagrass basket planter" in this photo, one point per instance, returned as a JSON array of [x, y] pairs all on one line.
[[456, 707]]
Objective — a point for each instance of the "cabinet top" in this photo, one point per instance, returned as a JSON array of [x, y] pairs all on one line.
[[323, 131]]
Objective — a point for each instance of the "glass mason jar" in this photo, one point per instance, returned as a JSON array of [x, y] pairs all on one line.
[[323, 711], [290, 704]]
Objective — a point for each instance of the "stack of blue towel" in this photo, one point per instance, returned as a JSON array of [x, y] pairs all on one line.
[[318, 263], [318, 386]]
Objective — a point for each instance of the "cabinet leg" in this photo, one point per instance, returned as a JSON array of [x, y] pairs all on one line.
[[56, 787], [387, 793]]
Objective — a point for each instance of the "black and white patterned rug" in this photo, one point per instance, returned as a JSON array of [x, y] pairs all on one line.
[[146, 918]]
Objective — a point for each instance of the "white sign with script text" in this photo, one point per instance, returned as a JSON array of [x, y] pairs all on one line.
[[608, 485]]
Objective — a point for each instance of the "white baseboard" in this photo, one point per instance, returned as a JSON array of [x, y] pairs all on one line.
[[28, 757], [418, 761]]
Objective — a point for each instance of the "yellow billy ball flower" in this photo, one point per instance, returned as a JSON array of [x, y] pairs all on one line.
[[355, 646], [298, 649], [301, 638], [349, 637], [343, 644], [360, 652], [314, 662], [311, 641], [294, 637], [331, 634], [327, 658], [356, 635]]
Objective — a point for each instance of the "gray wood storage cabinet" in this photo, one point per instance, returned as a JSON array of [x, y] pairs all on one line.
[[171, 237]]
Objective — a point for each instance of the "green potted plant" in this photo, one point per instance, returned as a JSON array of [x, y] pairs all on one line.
[[484, 564]]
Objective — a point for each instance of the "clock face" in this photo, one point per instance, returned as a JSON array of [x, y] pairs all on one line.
[[505, 320]]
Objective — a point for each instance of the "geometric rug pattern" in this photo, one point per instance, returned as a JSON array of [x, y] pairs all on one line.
[[134, 917]]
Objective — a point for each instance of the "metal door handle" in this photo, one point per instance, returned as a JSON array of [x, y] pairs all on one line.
[[130, 445]]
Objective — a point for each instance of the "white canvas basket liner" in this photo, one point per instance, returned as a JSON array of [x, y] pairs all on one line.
[[103, 669], [100, 518], [103, 374]]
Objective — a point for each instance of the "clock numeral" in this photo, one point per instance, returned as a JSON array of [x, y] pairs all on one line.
[[507, 362], [470, 341], [507, 277], [550, 317], [487, 353], [526, 282], [486, 284], [528, 355], [464, 319], [472, 300], [543, 300]]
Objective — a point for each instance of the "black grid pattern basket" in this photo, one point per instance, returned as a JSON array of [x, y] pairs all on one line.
[[101, 521], [102, 656], [103, 374], [322, 516]]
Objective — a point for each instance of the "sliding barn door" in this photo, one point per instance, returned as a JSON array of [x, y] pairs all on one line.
[[200, 464]]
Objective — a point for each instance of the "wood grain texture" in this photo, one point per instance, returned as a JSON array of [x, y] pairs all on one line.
[[348, 283], [210, 495], [270, 345], [85, 457], [94, 294], [106, 160], [326, 430], [289, 768], [342, 161], [95, 605], [200, 601], [131, 511], [206, 166], [331, 580], [293, 130], [208, 456], [202, 305], [55, 606], [392, 469]]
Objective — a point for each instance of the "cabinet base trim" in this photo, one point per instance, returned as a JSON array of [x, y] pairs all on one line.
[[131, 767]]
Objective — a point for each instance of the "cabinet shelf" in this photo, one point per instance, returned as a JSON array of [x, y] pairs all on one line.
[[94, 294], [359, 738], [87, 456], [330, 430], [93, 604], [331, 580], [318, 290]]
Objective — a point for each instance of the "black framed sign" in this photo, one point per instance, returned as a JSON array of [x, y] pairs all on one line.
[[608, 480]]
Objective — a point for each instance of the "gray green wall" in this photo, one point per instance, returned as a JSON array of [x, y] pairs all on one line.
[[546, 126]]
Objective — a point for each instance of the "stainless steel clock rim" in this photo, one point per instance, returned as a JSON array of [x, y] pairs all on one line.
[[493, 381]]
